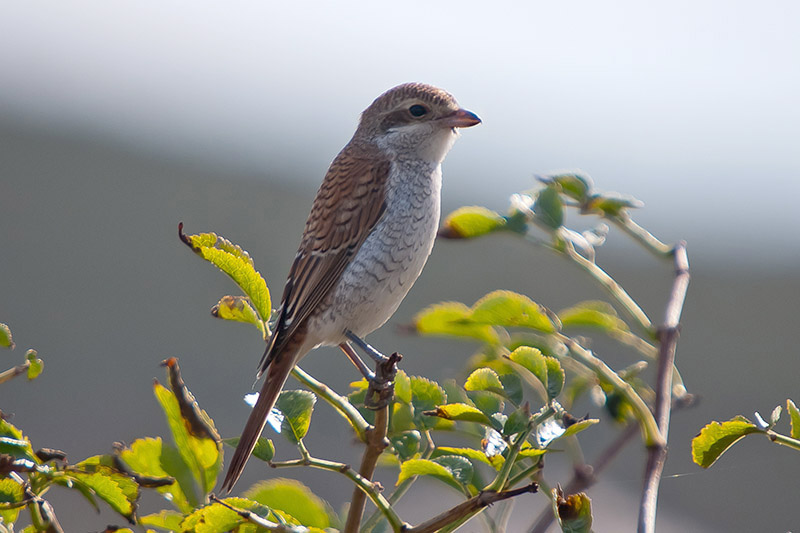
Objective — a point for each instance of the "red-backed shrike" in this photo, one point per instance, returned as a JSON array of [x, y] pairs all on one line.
[[370, 232]]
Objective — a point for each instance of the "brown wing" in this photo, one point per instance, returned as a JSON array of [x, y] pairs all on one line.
[[349, 203]]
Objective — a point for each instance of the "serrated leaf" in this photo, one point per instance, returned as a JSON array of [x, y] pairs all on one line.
[[164, 520], [716, 438], [426, 395], [470, 222], [402, 417], [35, 366], [488, 402], [202, 454], [460, 467], [263, 450], [297, 407], [237, 308], [593, 314], [402, 387], [149, 457], [236, 263], [452, 319], [216, 518], [546, 369], [484, 379], [510, 309], [532, 452], [10, 492], [426, 467], [794, 418], [294, 499], [109, 487], [579, 426], [462, 412], [5, 337], [549, 208]]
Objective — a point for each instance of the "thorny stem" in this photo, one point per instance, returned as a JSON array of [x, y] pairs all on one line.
[[668, 339]]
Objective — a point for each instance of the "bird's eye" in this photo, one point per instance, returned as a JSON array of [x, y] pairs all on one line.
[[417, 110]]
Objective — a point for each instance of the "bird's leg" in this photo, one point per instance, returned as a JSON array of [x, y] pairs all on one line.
[[381, 382], [357, 362], [376, 356]]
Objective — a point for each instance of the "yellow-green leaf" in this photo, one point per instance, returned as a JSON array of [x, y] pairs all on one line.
[[14, 443], [794, 418], [425, 467], [35, 365], [296, 407], [109, 486], [452, 319], [574, 512], [593, 314], [546, 369], [216, 518], [236, 263], [484, 379], [426, 395], [294, 499], [579, 426], [237, 308], [264, 449], [549, 208], [509, 309], [5, 337], [166, 520], [495, 461], [150, 457], [10, 492], [470, 222], [461, 412], [716, 438]]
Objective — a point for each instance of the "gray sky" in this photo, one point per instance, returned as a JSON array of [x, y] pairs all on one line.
[[690, 106]]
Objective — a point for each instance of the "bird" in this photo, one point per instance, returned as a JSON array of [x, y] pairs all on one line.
[[371, 229]]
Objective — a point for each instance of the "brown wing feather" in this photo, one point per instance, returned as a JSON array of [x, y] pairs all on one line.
[[349, 203]]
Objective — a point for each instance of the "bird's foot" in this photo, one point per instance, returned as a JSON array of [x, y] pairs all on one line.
[[380, 391]]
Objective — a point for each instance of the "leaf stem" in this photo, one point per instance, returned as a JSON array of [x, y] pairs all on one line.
[[783, 439]]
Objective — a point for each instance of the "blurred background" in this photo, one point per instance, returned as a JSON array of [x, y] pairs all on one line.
[[117, 120]]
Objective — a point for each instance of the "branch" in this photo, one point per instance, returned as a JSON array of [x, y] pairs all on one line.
[[258, 520], [668, 340], [13, 372], [375, 438], [469, 508]]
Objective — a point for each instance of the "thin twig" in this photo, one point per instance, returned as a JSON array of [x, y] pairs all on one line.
[[376, 443], [13, 372], [258, 520], [668, 341]]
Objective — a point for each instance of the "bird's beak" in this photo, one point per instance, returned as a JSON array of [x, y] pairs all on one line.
[[460, 119]]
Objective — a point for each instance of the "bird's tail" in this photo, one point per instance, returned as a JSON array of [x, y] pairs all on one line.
[[277, 375]]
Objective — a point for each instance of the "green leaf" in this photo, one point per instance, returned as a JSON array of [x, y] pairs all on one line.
[[237, 308], [794, 418], [546, 369], [459, 467], [13, 443], [593, 314], [36, 365], [611, 204], [149, 457], [462, 412], [108, 485], [452, 319], [509, 309], [470, 222], [495, 461], [576, 185], [512, 388], [517, 421], [166, 520], [10, 492], [201, 453], [484, 379], [236, 263], [216, 518], [716, 438], [296, 407], [402, 387], [263, 450], [406, 444], [425, 467], [532, 452], [579, 426], [426, 395], [5, 337], [294, 499], [574, 512], [488, 402], [549, 208]]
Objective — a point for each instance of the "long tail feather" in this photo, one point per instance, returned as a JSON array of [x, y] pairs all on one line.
[[276, 377]]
